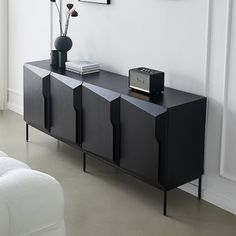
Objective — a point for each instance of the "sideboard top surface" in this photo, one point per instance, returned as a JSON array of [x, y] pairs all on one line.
[[119, 83]]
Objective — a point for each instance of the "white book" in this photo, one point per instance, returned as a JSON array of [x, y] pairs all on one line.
[[82, 65], [82, 69], [83, 72]]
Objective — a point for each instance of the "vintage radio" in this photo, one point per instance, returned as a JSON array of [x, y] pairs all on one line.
[[146, 80]]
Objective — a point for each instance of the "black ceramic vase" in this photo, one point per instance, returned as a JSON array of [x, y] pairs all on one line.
[[63, 44]]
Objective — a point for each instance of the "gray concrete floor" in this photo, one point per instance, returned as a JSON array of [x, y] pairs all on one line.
[[103, 202]]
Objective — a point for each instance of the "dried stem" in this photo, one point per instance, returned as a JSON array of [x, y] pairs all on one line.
[[60, 23], [71, 12], [67, 23]]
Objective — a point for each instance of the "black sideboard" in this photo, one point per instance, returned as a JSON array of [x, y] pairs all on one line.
[[159, 140]]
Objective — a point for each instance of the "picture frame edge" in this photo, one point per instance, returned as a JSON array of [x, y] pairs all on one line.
[[97, 2]]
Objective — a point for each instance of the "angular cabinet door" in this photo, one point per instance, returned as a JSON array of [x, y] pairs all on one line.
[[141, 133], [66, 108], [36, 96], [100, 121]]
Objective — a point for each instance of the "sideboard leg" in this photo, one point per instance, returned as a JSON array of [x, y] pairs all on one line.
[[84, 162], [27, 132], [200, 188], [165, 203]]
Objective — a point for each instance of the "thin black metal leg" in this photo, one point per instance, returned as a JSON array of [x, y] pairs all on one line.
[[200, 188], [27, 132], [165, 203], [84, 161]]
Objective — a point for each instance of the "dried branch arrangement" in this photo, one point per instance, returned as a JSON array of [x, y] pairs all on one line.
[[70, 12]]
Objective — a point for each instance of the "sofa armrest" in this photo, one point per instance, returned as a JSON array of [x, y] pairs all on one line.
[[4, 218], [34, 200]]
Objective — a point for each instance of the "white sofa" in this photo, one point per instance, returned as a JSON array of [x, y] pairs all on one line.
[[31, 202]]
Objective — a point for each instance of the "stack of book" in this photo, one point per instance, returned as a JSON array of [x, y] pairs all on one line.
[[82, 67]]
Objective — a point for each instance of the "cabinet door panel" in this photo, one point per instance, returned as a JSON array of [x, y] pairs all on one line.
[[139, 138], [36, 96], [100, 121], [66, 108]]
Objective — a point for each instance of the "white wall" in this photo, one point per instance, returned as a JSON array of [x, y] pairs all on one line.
[[228, 162], [3, 54], [170, 35], [219, 181], [29, 40]]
